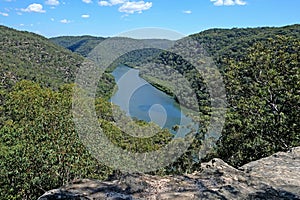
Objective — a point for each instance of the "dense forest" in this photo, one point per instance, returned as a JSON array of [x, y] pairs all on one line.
[[29, 56], [40, 148], [82, 45]]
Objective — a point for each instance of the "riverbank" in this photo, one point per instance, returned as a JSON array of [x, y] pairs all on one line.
[[164, 86]]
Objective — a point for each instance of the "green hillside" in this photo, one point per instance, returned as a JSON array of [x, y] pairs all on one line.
[[219, 43], [234, 43], [261, 72], [29, 56], [79, 44]]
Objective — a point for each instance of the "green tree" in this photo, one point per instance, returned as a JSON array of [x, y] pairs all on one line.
[[40, 149], [264, 96]]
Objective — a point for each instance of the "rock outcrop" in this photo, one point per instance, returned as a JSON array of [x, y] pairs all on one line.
[[274, 177]]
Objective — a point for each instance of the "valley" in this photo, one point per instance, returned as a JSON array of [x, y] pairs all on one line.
[[40, 146]]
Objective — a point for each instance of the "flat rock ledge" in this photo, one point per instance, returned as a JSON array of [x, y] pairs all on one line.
[[274, 177]]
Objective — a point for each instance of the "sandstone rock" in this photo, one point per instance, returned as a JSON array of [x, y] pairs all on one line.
[[274, 177], [281, 170]]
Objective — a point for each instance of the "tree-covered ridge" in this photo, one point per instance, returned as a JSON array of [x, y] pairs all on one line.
[[234, 43], [219, 43], [25, 55], [82, 45], [261, 70]]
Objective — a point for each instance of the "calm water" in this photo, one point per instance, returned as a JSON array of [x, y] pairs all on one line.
[[140, 99]]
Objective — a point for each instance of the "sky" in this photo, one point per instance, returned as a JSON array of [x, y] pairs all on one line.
[[105, 18]]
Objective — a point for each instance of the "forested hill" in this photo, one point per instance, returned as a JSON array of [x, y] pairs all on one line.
[[79, 44], [219, 43], [29, 56], [234, 43], [261, 73]]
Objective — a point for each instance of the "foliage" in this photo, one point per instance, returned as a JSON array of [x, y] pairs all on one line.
[[40, 149], [264, 96], [29, 56], [123, 139], [261, 69], [234, 43], [82, 45]]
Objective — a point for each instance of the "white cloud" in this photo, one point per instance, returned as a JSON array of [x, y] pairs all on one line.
[[52, 19], [104, 3], [132, 7], [240, 2], [35, 7], [116, 2], [187, 12], [65, 21], [111, 2], [85, 16], [87, 1], [217, 2], [228, 2], [4, 14], [127, 6], [52, 2]]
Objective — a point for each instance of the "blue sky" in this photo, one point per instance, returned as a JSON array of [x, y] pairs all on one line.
[[108, 18]]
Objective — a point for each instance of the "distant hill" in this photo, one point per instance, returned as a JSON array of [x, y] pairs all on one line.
[[25, 55], [234, 43], [83, 45], [219, 43], [78, 44]]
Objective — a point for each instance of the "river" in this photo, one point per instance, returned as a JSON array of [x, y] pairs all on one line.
[[141, 100]]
